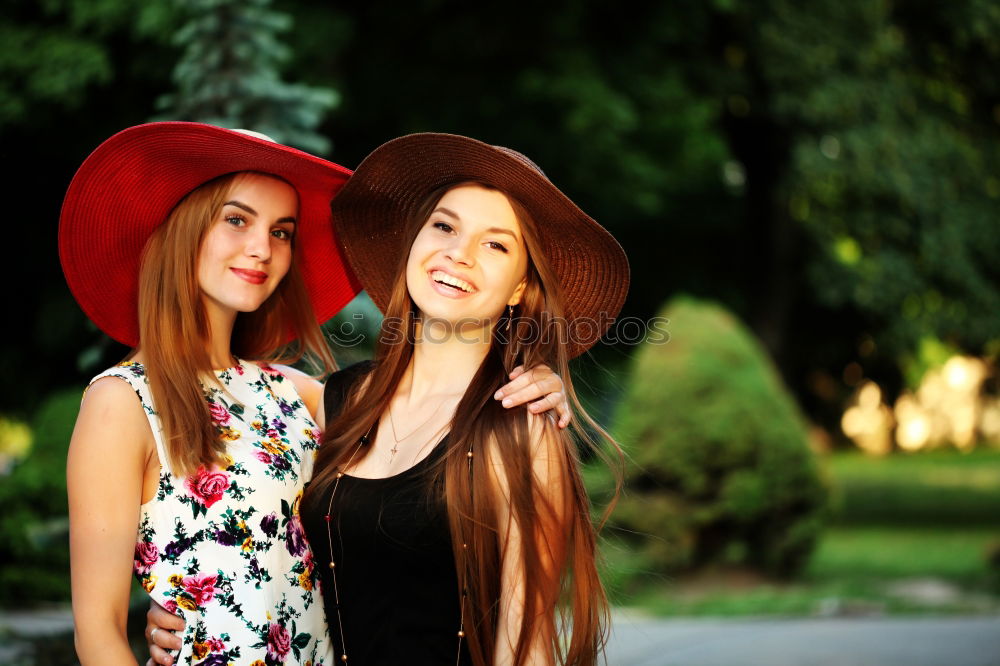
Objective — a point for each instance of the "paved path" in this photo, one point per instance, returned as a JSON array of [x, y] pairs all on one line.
[[639, 641], [965, 641]]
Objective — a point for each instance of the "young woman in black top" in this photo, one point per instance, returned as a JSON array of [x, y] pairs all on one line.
[[447, 529]]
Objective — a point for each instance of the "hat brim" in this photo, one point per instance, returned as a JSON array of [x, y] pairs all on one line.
[[371, 210], [131, 182]]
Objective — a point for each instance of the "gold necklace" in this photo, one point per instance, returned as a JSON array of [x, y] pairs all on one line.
[[397, 440], [333, 567]]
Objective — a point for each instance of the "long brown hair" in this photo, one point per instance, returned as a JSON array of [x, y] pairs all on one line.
[[562, 591], [174, 329]]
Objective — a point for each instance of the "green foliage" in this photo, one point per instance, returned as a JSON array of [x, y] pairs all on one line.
[[228, 75], [56, 52], [884, 109], [34, 529], [721, 465], [930, 354]]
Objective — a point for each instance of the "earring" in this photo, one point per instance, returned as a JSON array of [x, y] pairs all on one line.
[[510, 315]]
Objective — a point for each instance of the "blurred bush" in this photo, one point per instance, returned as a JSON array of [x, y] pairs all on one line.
[[721, 468], [34, 528]]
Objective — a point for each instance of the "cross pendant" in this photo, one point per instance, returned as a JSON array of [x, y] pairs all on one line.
[[392, 452]]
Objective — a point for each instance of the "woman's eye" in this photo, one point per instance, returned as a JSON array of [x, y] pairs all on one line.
[[282, 234], [443, 226], [236, 220], [497, 246]]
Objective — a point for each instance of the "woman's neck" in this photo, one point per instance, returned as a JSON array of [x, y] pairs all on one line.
[[444, 364], [220, 336]]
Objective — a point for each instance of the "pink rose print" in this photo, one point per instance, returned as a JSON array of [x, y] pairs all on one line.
[[170, 605], [220, 415], [279, 642], [207, 487], [146, 556], [307, 561], [215, 644], [201, 587], [264, 457], [270, 371]]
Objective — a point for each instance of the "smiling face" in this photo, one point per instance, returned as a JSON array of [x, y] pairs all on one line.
[[248, 248], [468, 261]]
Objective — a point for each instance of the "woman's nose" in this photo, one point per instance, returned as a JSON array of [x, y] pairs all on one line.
[[258, 245], [461, 252]]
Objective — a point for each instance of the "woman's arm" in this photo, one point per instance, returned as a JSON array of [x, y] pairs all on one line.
[[548, 456], [107, 458], [539, 384]]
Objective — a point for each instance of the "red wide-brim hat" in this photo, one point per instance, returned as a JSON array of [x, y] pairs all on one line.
[[132, 181]]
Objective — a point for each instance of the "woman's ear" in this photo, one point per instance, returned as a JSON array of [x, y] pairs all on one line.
[[515, 298]]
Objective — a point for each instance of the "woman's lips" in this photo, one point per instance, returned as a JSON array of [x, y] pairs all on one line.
[[446, 290], [253, 277]]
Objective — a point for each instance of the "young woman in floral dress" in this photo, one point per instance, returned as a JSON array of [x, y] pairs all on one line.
[[206, 250]]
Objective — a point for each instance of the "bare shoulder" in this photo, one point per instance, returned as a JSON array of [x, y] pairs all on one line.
[[546, 446], [301, 380], [308, 388], [113, 397], [112, 420]]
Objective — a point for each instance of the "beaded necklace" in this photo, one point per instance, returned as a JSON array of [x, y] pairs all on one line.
[[333, 566]]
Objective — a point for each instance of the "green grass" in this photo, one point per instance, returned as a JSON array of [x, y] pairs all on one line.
[[853, 571], [857, 553], [935, 488], [933, 516]]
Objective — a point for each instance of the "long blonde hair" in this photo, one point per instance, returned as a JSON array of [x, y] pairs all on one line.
[[563, 592], [173, 326]]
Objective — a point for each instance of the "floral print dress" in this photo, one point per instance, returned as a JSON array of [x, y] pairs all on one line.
[[224, 548]]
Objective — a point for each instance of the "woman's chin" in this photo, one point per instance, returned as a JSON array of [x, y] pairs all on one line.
[[438, 326]]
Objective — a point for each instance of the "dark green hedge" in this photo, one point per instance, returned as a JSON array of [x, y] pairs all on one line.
[[721, 468]]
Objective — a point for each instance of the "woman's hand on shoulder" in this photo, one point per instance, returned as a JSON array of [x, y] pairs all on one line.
[[539, 384], [309, 389]]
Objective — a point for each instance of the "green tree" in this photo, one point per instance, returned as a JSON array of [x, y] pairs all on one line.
[[868, 134], [72, 72], [54, 53], [229, 75]]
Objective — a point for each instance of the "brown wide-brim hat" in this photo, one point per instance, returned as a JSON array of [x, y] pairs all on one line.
[[371, 211], [131, 182]]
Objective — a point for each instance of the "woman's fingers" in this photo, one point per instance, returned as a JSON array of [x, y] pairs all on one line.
[[556, 401], [530, 385], [160, 625], [158, 655], [539, 384]]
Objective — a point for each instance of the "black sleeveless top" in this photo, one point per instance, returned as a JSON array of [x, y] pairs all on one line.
[[396, 578]]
